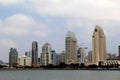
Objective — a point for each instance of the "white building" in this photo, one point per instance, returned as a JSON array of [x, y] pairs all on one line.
[[24, 61], [46, 55]]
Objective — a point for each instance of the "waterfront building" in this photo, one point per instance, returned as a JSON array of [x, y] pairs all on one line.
[[46, 55], [71, 48], [98, 45], [34, 53], [118, 52], [111, 56], [58, 59], [63, 56], [24, 61], [13, 56], [89, 57], [82, 54], [53, 57]]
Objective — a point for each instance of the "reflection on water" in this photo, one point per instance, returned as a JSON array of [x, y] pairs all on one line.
[[59, 75]]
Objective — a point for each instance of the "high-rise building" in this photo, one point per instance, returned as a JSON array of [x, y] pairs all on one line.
[[63, 56], [71, 48], [29, 54], [58, 58], [13, 56], [98, 45], [46, 55], [119, 51], [53, 57], [34, 53], [82, 54], [89, 57]]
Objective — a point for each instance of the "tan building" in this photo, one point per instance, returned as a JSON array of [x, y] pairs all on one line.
[[98, 45], [24, 61], [71, 48]]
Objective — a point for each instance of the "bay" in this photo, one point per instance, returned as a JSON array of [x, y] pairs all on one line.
[[59, 75]]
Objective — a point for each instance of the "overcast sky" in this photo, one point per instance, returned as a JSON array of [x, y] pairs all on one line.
[[24, 21]]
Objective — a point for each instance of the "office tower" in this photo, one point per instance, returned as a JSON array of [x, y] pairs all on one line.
[[119, 51], [13, 56], [98, 45], [26, 53], [46, 55], [89, 57], [34, 53], [82, 54], [53, 57], [29, 54], [63, 56], [71, 48], [58, 59]]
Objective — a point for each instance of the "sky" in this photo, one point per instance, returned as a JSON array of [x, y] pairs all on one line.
[[25, 21]]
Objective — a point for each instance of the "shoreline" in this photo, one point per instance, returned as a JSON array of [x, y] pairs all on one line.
[[114, 69]]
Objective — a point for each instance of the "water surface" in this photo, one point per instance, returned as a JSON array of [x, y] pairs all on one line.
[[59, 75]]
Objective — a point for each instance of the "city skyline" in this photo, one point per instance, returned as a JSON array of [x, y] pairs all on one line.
[[25, 21]]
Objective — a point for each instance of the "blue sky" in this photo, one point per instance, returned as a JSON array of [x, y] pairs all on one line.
[[24, 21]]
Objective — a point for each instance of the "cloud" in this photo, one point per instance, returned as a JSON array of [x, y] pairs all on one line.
[[94, 9], [10, 2], [7, 43], [15, 25], [19, 25]]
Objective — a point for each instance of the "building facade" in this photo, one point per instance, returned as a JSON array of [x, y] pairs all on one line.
[[71, 48], [46, 55], [53, 57], [24, 61], [98, 45], [63, 56], [13, 56], [119, 51], [34, 53], [89, 57], [82, 54]]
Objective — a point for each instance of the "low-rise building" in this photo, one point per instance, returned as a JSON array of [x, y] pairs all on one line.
[[24, 61]]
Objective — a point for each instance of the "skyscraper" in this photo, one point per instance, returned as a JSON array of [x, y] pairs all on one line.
[[46, 55], [71, 48], [82, 54], [34, 53], [98, 45], [13, 56], [119, 51], [53, 57], [89, 57]]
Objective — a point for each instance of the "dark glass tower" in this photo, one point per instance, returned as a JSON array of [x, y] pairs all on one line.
[[119, 51], [34, 53], [13, 56]]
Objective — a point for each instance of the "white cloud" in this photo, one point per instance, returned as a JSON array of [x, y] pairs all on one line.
[[94, 9], [21, 25], [8, 2], [7, 43], [103, 9]]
